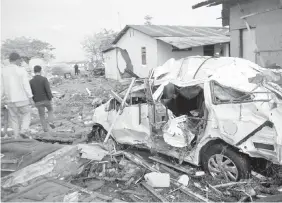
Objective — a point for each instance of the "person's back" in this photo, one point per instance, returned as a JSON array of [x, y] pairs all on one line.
[[16, 95], [40, 90], [42, 97], [17, 89]]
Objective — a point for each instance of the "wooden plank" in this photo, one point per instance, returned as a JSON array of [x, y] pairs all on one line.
[[180, 168], [117, 97], [169, 170], [154, 192], [12, 161], [189, 192], [229, 184], [120, 110], [139, 161]]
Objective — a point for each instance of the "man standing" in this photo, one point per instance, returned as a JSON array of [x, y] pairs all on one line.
[[76, 69], [42, 97], [17, 95]]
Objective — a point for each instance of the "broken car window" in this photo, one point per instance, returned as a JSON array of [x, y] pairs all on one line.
[[222, 94]]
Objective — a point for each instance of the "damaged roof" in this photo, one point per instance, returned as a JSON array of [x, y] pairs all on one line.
[[175, 35], [188, 42], [210, 3], [226, 4]]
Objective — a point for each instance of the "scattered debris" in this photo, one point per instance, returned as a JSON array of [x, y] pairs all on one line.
[[229, 184], [155, 179], [155, 193], [72, 197], [92, 151], [179, 168], [184, 180], [200, 173]]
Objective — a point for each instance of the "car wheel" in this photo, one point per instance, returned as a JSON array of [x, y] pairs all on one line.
[[223, 162]]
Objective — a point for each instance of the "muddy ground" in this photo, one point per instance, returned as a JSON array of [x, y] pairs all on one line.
[[73, 107]]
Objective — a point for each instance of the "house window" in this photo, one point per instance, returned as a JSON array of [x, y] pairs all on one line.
[[143, 55], [209, 50]]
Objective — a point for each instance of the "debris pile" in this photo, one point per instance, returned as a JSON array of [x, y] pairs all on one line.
[[74, 101]]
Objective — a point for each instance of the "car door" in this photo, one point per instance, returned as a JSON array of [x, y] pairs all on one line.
[[235, 112]]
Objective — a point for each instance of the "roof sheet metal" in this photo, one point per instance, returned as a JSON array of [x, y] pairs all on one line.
[[175, 31], [179, 31], [188, 42]]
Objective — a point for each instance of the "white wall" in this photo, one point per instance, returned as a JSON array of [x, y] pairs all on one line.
[[268, 28], [111, 70], [165, 52], [132, 41]]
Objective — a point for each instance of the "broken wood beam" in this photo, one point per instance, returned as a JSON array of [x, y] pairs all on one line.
[[229, 184], [169, 170], [189, 192], [133, 199], [117, 97], [132, 192], [154, 192], [139, 161], [179, 168], [120, 110]]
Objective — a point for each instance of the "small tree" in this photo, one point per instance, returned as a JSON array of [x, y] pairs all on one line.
[[94, 44], [27, 48], [148, 20]]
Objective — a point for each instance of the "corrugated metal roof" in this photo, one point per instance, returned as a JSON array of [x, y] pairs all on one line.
[[175, 31], [188, 42]]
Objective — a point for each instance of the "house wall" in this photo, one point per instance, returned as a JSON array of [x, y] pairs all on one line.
[[111, 70], [133, 41], [267, 29], [165, 52]]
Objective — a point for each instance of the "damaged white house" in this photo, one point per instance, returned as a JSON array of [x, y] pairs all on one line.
[[139, 48]]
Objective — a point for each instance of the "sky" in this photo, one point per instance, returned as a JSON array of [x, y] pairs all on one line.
[[65, 23]]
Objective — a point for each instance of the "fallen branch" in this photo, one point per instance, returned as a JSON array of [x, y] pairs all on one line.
[[154, 192]]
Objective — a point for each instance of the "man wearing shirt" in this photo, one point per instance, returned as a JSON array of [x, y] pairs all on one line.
[[42, 97], [17, 95]]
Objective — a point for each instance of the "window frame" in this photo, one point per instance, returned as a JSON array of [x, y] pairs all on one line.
[[143, 56]]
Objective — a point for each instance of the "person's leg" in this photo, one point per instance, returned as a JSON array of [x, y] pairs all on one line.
[[14, 120], [48, 105], [41, 111], [25, 112]]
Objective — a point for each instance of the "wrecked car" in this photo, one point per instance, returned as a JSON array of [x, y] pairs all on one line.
[[217, 113]]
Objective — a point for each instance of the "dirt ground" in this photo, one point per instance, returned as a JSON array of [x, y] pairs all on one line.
[[73, 107]]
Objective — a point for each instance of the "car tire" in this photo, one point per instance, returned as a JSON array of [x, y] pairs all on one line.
[[223, 162]]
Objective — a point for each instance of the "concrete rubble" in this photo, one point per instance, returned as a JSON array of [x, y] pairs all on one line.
[[133, 165]]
